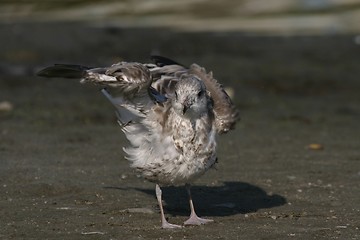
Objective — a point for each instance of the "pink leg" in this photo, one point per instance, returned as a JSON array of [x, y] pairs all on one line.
[[194, 219], [164, 222]]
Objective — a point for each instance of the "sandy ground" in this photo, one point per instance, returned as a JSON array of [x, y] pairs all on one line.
[[291, 169]]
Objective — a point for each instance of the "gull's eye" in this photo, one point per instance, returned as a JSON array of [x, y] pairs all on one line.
[[200, 93]]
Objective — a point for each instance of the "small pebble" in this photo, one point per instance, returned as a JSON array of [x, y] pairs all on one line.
[[343, 227], [124, 176], [6, 106], [291, 177], [315, 146]]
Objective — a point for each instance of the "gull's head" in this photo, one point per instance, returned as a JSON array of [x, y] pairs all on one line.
[[190, 98]]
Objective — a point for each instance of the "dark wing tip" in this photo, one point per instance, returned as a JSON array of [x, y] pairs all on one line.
[[161, 61], [63, 70]]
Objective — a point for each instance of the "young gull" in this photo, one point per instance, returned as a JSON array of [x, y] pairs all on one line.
[[170, 115]]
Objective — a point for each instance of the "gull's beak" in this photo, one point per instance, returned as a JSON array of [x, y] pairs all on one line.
[[186, 105]]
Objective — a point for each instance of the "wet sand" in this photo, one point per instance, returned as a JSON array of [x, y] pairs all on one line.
[[290, 170]]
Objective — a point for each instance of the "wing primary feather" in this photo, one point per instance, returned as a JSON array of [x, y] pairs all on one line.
[[64, 71], [161, 61]]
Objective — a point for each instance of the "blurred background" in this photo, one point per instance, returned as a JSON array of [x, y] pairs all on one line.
[[83, 27], [261, 16], [24, 21], [292, 67], [245, 35]]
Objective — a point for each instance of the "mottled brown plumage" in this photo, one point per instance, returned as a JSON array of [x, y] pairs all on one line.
[[169, 113]]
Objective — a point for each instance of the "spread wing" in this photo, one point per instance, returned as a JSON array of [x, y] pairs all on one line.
[[133, 80], [144, 85], [166, 74]]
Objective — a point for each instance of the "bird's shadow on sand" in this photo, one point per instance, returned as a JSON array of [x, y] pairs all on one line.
[[228, 199]]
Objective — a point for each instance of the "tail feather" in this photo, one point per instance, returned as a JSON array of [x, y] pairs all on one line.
[[64, 71]]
